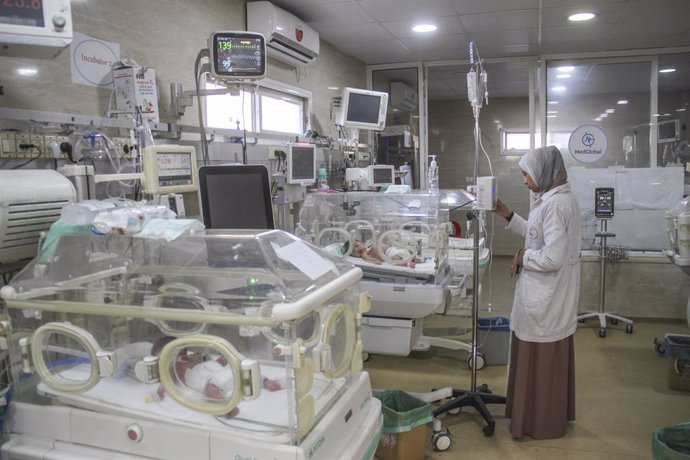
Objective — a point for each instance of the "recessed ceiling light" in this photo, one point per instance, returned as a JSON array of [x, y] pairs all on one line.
[[424, 28], [681, 110], [27, 71], [334, 87], [552, 111], [597, 119], [552, 116], [622, 102], [610, 110], [584, 16], [603, 115], [563, 75], [558, 89], [553, 102], [565, 68], [497, 121], [667, 70]]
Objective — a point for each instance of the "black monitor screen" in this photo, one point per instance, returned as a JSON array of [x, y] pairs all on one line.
[[236, 197], [303, 163], [667, 130], [238, 54], [603, 202], [383, 176], [363, 108]]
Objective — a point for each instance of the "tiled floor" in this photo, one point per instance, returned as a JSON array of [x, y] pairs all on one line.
[[621, 386]]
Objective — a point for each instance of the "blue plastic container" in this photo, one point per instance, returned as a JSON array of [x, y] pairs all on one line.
[[493, 339]]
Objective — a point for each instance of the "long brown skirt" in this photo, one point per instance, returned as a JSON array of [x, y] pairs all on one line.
[[541, 388]]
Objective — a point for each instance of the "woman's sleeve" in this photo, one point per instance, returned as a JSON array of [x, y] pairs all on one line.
[[554, 254], [517, 225]]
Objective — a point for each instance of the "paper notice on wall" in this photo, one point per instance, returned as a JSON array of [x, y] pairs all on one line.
[[92, 60]]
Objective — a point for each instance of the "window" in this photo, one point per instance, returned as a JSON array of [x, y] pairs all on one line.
[[281, 113], [514, 142], [225, 110], [271, 107]]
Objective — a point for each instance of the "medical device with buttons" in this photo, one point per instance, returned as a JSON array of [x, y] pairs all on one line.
[[603, 202], [241, 342], [35, 28], [169, 169]]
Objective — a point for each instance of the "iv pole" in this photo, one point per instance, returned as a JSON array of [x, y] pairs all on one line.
[[477, 397]]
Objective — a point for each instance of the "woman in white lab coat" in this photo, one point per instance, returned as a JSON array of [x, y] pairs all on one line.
[[541, 378]]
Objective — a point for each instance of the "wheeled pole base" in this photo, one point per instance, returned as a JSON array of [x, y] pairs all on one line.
[[477, 399], [602, 321]]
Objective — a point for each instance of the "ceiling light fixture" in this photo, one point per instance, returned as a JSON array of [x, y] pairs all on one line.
[[610, 110], [558, 89], [563, 75], [423, 28], [27, 71], [553, 102], [565, 68], [667, 70], [622, 102], [681, 110], [579, 17]]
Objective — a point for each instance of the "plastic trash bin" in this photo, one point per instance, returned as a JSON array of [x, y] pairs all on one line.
[[671, 442], [493, 339], [676, 348], [404, 426]]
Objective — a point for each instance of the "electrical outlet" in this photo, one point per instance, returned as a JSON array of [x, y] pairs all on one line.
[[8, 147], [23, 138]]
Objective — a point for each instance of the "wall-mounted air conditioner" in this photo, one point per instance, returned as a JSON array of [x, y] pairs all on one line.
[[403, 97], [288, 38]]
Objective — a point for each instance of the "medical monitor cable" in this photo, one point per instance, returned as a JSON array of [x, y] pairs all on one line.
[[202, 130]]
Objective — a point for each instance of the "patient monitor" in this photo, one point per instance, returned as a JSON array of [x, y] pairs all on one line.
[[169, 169]]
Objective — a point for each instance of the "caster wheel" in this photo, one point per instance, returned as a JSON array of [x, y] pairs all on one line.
[[488, 430], [454, 411], [365, 356], [602, 332], [614, 321], [629, 328], [441, 441], [480, 361], [660, 349]]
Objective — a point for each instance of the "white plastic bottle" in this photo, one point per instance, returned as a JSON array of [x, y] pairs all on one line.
[[433, 175]]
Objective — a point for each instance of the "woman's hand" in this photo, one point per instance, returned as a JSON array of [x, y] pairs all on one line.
[[502, 208], [516, 264]]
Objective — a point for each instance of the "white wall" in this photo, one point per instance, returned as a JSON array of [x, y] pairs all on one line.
[[166, 35]]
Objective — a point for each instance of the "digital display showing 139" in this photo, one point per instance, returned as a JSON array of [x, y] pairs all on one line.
[[22, 12], [239, 55]]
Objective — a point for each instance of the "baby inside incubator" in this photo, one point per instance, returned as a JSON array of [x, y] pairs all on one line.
[[384, 253]]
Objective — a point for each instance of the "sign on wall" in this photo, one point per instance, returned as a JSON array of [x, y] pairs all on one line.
[[588, 144], [92, 60]]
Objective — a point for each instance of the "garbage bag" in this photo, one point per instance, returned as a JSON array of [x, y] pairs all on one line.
[[402, 411], [671, 442]]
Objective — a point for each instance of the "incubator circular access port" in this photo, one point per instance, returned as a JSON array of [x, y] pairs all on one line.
[[64, 357], [183, 302], [202, 372]]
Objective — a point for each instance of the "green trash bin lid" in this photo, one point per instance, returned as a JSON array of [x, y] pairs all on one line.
[[671, 442], [402, 411]]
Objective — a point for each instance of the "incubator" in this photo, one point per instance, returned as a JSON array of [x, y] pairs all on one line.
[[219, 345], [400, 241]]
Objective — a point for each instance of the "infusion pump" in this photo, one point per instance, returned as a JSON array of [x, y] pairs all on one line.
[[35, 28]]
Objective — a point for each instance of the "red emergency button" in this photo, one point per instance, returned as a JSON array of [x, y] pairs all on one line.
[[135, 433]]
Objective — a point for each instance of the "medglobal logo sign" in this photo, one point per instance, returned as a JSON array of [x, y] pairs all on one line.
[[588, 144]]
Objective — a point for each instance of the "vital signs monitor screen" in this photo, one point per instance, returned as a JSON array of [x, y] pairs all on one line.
[[240, 55]]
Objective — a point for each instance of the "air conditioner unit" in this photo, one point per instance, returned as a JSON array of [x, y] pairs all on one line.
[[30, 201], [403, 97], [288, 38]]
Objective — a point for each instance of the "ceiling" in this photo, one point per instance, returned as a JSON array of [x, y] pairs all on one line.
[[379, 32]]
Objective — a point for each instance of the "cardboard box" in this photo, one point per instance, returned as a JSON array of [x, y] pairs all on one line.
[[136, 87], [408, 445]]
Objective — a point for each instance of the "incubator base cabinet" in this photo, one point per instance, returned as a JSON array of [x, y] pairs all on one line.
[[221, 345]]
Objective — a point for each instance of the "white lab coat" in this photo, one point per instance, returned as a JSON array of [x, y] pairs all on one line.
[[548, 289]]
